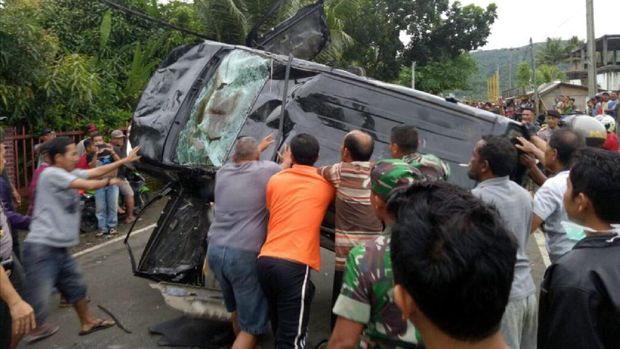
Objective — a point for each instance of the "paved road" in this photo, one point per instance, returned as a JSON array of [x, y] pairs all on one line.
[[108, 274]]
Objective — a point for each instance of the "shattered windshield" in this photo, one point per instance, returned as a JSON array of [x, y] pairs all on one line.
[[221, 108]]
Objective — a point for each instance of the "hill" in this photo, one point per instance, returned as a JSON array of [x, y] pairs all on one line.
[[506, 60]]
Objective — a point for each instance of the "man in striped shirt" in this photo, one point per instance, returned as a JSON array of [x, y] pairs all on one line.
[[356, 222]]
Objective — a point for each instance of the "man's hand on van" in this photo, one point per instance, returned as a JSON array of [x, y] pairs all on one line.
[[265, 143]]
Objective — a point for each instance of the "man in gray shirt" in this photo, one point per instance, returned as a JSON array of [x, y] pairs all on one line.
[[549, 199], [492, 161], [237, 234], [55, 228]]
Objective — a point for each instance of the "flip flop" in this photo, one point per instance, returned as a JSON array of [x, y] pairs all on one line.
[[98, 326]]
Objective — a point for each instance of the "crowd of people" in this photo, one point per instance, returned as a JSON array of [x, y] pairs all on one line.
[[419, 262], [30, 273]]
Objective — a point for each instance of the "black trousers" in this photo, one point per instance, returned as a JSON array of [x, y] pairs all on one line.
[[337, 286], [289, 293]]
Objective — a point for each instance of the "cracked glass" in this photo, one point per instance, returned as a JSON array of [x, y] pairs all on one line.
[[221, 109]]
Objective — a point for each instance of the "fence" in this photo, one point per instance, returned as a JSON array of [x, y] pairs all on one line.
[[21, 158]]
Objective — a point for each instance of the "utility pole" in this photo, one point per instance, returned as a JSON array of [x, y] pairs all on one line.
[[413, 75], [510, 70], [536, 97], [591, 48]]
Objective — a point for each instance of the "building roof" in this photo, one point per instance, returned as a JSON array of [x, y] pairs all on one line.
[[613, 43], [550, 86]]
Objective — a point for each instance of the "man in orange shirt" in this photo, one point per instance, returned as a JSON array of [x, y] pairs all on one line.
[[297, 199]]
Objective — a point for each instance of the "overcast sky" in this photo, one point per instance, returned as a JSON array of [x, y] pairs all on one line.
[[518, 20]]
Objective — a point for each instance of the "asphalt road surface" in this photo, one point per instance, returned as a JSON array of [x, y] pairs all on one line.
[[107, 272]]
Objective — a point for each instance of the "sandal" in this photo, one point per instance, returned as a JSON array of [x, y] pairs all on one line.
[[113, 231], [98, 326], [101, 233], [40, 333]]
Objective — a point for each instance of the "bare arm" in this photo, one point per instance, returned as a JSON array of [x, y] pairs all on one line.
[[346, 334], [22, 314], [93, 162], [536, 222], [103, 170], [536, 174], [93, 184], [536, 148]]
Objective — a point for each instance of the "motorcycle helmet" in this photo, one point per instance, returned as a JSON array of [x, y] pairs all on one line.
[[607, 121], [588, 127]]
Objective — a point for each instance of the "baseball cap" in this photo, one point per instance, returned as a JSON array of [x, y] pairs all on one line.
[[554, 114], [117, 134], [46, 131], [92, 128]]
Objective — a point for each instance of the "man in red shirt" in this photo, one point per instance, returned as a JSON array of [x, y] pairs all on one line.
[[89, 158], [297, 199]]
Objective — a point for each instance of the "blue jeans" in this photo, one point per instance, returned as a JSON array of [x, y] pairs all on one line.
[[48, 267], [106, 201], [235, 271]]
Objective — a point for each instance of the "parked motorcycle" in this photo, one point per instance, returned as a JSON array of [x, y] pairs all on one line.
[[89, 210], [141, 191]]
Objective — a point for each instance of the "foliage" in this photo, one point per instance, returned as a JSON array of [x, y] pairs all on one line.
[[66, 63], [438, 30], [556, 51], [549, 73], [524, 74], [444, 75]]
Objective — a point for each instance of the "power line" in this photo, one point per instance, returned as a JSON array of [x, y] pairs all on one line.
[[146, 17]]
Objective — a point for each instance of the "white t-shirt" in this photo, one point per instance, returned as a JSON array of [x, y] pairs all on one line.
[[57, 209], [549, 206]]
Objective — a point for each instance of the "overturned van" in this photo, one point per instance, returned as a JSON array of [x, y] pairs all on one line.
[[203, 97]]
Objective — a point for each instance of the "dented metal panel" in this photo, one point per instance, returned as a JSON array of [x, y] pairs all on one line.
[[187, 128]]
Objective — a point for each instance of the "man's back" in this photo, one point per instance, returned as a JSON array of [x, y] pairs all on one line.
[[580, 302], [297, 199], [356, 221], [514, 205], [549, 206], [240, 214]]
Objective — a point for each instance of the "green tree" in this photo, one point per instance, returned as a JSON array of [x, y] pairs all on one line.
[[556, 51], [524, 74], [552, 53], [549, 73], [442, 76], [436, 29]]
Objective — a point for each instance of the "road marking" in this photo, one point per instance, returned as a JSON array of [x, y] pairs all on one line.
[[111, 241], [542, 247]]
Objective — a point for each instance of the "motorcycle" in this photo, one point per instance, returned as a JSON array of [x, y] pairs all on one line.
[[141, 191], [88, 222]]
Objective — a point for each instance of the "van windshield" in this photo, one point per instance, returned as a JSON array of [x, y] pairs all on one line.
[[221, 109]]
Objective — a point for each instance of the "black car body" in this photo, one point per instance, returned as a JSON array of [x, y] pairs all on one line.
[[203, 97]]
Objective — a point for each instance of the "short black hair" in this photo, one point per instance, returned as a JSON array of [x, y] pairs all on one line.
[[360, 150], [305, 149], [58, 146], [87, 142], [453, 255], [566, 142], [500, 153], [596, 174], [405, 137]]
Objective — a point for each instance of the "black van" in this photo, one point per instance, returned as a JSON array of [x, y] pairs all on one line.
[[203, 97]]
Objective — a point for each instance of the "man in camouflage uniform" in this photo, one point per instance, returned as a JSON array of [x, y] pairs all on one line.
[[404, 145], [367, 314]]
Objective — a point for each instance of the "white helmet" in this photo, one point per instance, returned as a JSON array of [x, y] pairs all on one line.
[[608, 121]]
